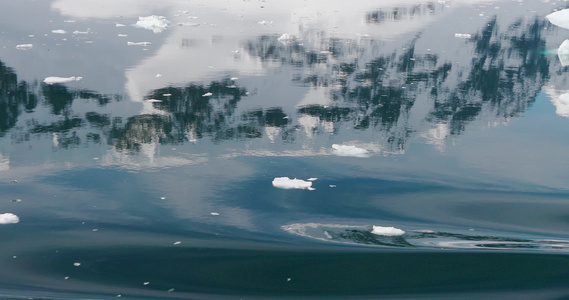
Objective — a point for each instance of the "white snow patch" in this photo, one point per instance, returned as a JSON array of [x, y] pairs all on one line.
[[9, 218], [349, 150], [287, 183], [559, 18], [154, 23], [53, 79], [387, 231], [24, 46]]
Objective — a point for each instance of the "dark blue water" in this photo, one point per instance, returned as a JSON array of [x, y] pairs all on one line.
[[430, 138]]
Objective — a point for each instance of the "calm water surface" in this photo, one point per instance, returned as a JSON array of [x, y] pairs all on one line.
[[146, 170]]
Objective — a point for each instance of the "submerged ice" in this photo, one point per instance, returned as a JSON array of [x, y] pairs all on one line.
[[9, 218], [287, 183]]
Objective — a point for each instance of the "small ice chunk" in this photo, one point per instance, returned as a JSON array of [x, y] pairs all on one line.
[[188, 24], [163, 198], [54, 79], [158, 75], [287, 183], [120, 25], [77, 264], [312, 179], [214, 214], [332, 185], [207, 94], [154, 23], [80, 32], [177, 243], [9, 218], [349, 150], [146, 283], [265, 22], [138, 43], [66, 277], [234, 78], [123, 35], [153, 100], [463, 35], [563, 53], [59, 31], [24, 46], [166, 95], [559, 18], [387, 231], [171, 290], [286, 37]]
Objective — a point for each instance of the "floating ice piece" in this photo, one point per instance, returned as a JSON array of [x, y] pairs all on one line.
[[564, 99], [559, 18], [463, 35], [347, 150], [287, 183], [265, 22], [158, 75], [188, 24], [312, 179], [122, 35], [286, 37], [120, 25], [24, 46], [53, 79], [59, 31], [387, 231], [166, 95], [214, 214], [146, 283], [234, 78], [80, 32], [207, 94], [77, 264], [154, 23], [138, 43], [177, 243], [563, 53], [9, 218]]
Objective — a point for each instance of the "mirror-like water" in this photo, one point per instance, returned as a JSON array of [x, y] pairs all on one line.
[[307, 149]]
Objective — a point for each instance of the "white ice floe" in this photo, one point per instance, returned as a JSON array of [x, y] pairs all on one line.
[[463, 35], [559, 18], [214, 214], [177, 243], [77, 264], [349, 150], [53, 79], [563, 53], [24, 46], [312, 179], [9, 218], [387, 231], [154, 23], [188, 24], [138, 43], [207, 94], [287, 183], [286, 37], [59, 31]]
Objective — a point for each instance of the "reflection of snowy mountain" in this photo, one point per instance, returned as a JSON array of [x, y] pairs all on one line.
[[313, 87]]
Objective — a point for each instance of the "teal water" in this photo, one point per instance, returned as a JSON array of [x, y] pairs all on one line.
[[151, 175]]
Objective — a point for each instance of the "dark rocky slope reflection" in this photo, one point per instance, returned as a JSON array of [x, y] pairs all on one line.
[[368, 92]]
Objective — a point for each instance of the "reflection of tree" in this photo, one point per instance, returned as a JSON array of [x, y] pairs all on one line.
[[368, 90], [505, 74], [14, 97]]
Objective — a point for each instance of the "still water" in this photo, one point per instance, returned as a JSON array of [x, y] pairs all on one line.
[[148, 158]]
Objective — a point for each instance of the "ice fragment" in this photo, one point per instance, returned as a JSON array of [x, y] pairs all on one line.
[[349, 150], [154, 23], [463, 35], [53, 79], [559, 18], [207, 94], [24, 46], [9, 218], [139, 43], [77, 264], [287, 183], [214, 214], [563, 53], [387, 231], [59, 31]]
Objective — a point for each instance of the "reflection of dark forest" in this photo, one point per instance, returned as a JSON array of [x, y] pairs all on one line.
[[505, 74]]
